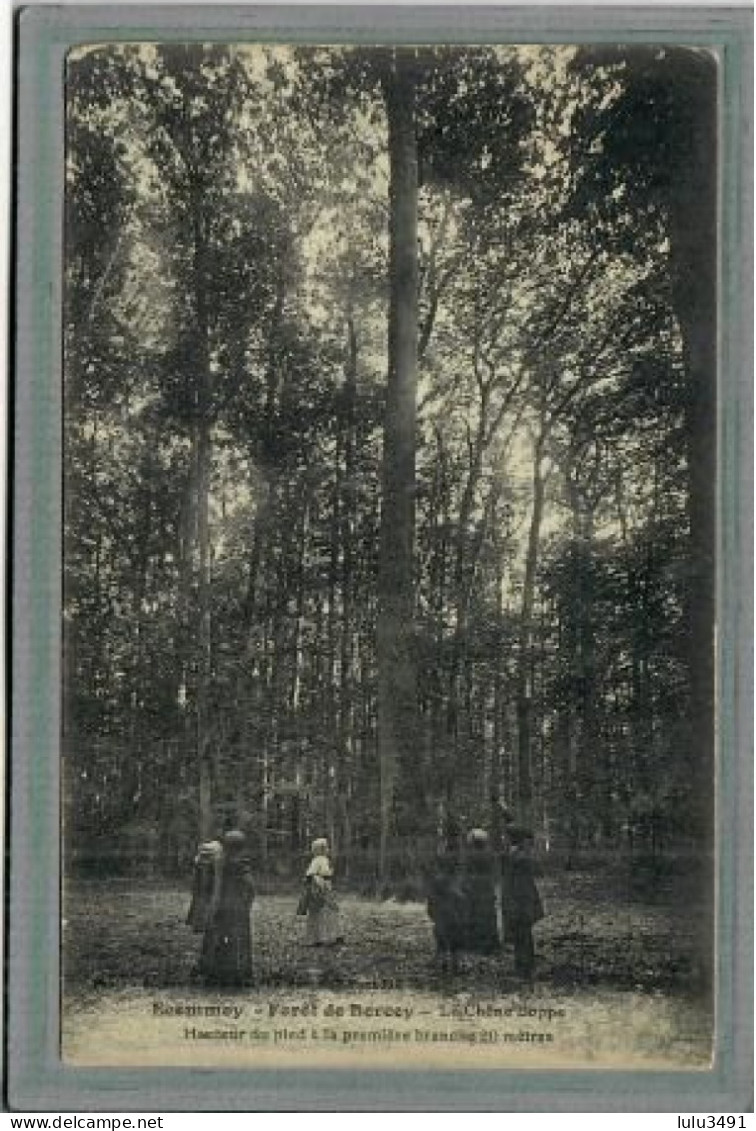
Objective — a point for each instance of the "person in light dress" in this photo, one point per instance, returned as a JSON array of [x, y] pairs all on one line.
[[323, 926]]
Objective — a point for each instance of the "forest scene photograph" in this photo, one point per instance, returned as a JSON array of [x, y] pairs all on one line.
[[389, 425]]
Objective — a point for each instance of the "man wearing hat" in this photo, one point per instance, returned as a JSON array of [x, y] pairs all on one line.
[[522, 902]]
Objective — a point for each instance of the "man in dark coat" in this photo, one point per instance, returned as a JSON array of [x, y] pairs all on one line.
[[521, 902], [506, 822]]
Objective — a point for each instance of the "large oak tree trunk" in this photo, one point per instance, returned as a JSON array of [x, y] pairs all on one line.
[[397, 698]]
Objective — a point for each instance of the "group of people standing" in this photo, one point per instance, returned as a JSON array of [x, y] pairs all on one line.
[[462, 899], [222, 896], [463, 885]]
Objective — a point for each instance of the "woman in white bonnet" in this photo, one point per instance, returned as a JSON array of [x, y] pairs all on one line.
[[323, 922]]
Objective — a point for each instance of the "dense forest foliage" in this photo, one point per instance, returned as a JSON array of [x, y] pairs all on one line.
[[389, 440]]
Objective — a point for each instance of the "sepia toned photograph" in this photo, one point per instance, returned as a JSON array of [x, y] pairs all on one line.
[[389, 509]]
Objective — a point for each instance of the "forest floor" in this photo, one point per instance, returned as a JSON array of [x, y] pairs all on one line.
[[616, 975]]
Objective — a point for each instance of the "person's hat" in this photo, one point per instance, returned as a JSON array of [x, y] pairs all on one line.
[[319, 846], [477, 836], [234, 840]]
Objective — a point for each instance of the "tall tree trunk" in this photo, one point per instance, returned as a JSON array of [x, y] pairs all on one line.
[[524, 690], [594, 771], [202, 453], [496, 793], [348, 627], [397, 698], [332, 648]]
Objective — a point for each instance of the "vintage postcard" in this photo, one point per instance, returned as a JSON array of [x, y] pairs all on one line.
[[388, 450], [389, 467]]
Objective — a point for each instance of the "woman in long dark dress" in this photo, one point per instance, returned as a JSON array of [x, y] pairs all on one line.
[[482, 933], [226, 958], [447, 908], [207, 865]]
